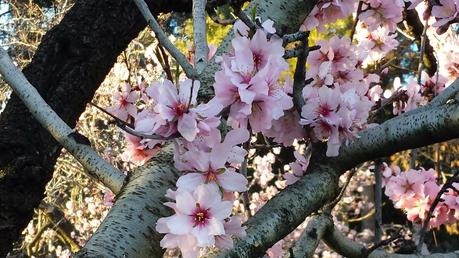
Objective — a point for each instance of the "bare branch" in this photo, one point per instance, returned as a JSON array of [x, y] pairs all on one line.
[[311, 236], [200, 37], [348, 248], [98, 167], [378, 200], [299, 35], [299, 76], [164, 40]]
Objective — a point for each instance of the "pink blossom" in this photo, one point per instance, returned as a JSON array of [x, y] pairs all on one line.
[[232, 228], [199, 214], [377, 43], [249, 81], [136, 152], [299, 166], [124, 103], [276, 251], [413, 93], [386, 13], [327, 11], [210, 168], [173, 105], [446, 12], [281, 135]]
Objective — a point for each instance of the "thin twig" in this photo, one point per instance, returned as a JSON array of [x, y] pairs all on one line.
[[217, 19], [297, 51], [300, 75], [378, 201], [245, 194], [244, 18], [128, 127], [199, 35], [356, 20], [331, 205], [165, 64], [164, 40], [414, 152], [367, 251], [299, 35], [448, 184]]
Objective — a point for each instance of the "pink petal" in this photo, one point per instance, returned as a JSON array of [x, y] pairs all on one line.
[[232, 181], [179, 224], [190, 181], [187, 127]]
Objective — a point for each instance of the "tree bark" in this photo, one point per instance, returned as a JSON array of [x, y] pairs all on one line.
[[68, 67]]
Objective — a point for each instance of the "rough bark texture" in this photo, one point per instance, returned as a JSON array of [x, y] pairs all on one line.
[[288, 209], [69, 65], [129, 228]]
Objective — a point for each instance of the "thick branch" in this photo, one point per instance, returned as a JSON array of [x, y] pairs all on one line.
[[97, 167], [286, 211], [129, 228], [348, 248], [201, 49], [431, 125]]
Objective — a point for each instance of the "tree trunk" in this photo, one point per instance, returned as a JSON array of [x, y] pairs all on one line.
[[68, 67]]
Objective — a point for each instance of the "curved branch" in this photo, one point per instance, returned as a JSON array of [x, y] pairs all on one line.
[[431, 125], [317, 227], [348, 248], [286, 211]]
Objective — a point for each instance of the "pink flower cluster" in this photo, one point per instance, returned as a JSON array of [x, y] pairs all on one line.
[[327, 11], [382, 13], [446, 12], [377, 43], [415, 95], [337, 104], [176, 111], [249, 81], [414, 192], [124, 103], [202, 209], [201, 219]]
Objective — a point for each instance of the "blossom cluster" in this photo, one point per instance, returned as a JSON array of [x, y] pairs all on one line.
[[414, 191], [415, 94], [337, 102], [248, 82]]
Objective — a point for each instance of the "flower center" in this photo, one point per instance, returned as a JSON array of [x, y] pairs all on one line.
[[211, 176], [180, 109], [200, 216]]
